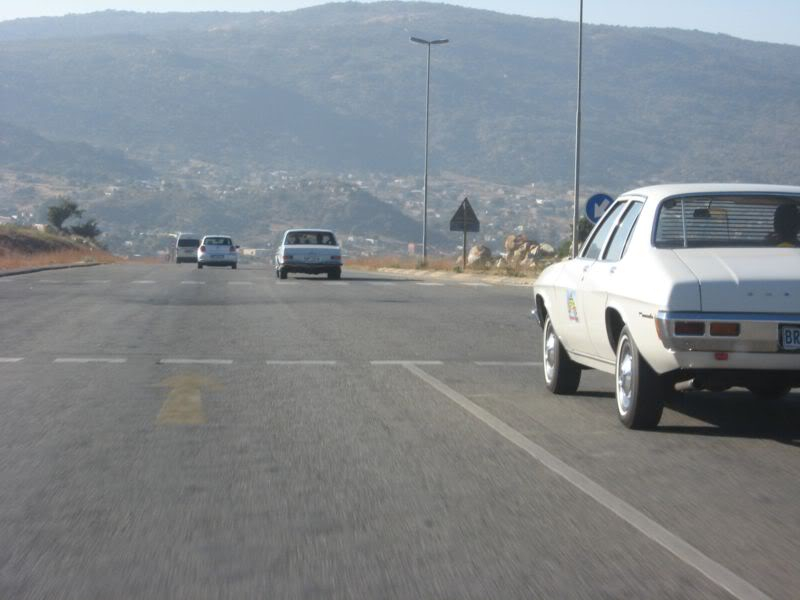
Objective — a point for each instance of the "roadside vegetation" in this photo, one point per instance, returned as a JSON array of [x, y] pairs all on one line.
[[22, 247]]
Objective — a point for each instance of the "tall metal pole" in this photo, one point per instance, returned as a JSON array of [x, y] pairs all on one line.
[[576, 212], [425, 182]]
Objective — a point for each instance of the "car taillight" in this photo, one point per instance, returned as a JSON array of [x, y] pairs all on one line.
[[335, 257], [690, 328], [287, 257], [233, 249], [202, 248], [725, 329]]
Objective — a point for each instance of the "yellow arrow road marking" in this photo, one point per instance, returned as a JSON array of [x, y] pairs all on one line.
[[184, 403]]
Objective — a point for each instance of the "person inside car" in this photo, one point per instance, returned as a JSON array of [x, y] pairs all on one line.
[[787, 225]]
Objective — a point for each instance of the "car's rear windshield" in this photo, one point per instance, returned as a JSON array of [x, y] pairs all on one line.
[[319, 238], [758, 221], [217, 241], [188, 243]]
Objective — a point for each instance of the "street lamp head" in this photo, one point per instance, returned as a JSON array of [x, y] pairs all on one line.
[[421, 41]]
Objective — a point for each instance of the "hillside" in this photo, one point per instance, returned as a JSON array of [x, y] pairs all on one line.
[[24, 151], [339, 87], [26, 247]]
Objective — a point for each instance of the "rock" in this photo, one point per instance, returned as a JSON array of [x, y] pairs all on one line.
[[544, 251], [510, 244], [479, 256], [501, 263]]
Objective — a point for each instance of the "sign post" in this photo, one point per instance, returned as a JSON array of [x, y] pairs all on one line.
[[465, 220]]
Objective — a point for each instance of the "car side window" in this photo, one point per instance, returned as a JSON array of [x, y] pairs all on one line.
[[602, 231], [622, 233]]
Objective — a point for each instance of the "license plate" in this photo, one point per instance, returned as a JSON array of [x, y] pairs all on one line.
[[790, 337], [312, 259]]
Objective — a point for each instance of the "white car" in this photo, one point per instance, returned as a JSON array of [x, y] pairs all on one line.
[[217, 251], [186, 247], [696, 285], [312, 251]]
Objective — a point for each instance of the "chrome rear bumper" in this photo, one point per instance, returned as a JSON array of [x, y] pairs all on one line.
[[758, 332]]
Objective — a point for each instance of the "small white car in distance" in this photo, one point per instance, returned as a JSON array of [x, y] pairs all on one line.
[[217, 251], [312, 251], [696, 285], [186, 247]]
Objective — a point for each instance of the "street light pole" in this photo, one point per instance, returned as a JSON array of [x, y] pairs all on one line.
[[575, 215], [427, 127]]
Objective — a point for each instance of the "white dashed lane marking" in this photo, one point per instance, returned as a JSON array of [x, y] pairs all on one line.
[[51, 281], [97, 281], [405, 362], [382, 282], [429, 283], [142, 281], [476, 284], [85, 360], [240, 283], [10, 360], [195, 361], [301, 362], [193, 282], [494, 363], [690, 555]]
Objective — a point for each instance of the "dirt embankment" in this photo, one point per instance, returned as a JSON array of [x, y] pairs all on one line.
[[22, 247]]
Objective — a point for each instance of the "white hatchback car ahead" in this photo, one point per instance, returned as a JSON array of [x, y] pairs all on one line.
[[217, 251]]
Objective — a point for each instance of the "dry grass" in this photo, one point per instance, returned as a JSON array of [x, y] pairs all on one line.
[[21, 260]]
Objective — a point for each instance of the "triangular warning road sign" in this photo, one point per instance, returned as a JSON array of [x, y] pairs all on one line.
[[465, 219]]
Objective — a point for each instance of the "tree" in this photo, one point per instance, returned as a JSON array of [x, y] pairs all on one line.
[[59, 213], [87, 229]]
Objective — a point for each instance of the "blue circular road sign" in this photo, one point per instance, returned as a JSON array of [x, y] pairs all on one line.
[[597, 205]]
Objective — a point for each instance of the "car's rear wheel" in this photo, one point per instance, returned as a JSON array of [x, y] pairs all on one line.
[[283, 273], [335, 274], [199, 265], [770, 392], [562, 375], [233, 266], [640, 391]]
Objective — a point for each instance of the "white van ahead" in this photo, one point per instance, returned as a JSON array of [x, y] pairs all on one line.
[[186, 248]]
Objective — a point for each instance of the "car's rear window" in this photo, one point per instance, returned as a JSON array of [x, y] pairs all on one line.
[[188, 243], [217, 241], [729, 221], [318, 238]]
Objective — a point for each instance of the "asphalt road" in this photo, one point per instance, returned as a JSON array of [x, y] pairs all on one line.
[[167, 432]]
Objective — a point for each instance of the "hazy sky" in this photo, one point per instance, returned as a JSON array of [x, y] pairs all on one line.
[[767, 20]]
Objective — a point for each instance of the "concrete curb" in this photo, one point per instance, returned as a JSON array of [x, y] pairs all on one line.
[[46, 268], [448, 276]]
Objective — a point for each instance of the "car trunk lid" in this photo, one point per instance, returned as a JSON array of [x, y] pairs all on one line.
[[312, 252], [754, 280]]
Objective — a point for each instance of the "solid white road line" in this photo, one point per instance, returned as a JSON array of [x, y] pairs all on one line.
[[493, 363], [193, 282], [195, 361], [84, 360], [382, 282], [143, 281], [286, 282], [10, 360], [405, 362], [690, 555], [335, 283], [429, 283], [300, 362]]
